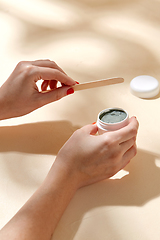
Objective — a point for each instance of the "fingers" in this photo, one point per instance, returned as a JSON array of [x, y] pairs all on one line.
[[129, 155], [44, 70], [44, 85], [53, 95], [128, 141], [51, 83], [90, 129], [47, 63], [127, 132], [38, 73], [50, 73], [127, 144], [50, 64], [128, 150], [123, 143]]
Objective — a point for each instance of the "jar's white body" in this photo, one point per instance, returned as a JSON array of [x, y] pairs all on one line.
[[104, 127]]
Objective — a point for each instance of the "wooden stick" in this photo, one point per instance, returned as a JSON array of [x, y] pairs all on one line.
[[97, 83]]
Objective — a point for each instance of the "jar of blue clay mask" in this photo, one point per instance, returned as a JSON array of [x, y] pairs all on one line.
[[112, 119]]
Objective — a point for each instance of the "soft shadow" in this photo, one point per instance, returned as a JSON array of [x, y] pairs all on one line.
[[36, 138], [102, 3], [141, 185], [153, 98]]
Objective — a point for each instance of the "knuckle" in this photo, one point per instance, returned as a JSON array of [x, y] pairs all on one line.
[[21, 64], [53, 63], [111, 144], [108, 141], [47, 59], [78, 132], [134, 150], [134, 130], [76, 136], [30, 70], [25, 67]]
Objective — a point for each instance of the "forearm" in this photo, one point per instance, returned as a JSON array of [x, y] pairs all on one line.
[[38, 218]]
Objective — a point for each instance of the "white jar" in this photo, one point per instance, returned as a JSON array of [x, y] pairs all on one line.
[[112, 119]]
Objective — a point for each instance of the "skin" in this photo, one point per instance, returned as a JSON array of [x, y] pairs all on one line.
[[19, 95], [84, 159]]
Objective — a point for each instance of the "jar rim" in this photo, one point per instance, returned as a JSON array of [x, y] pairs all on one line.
[[109, 109]]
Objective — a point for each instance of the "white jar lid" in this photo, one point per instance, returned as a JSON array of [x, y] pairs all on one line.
[[144, 86]]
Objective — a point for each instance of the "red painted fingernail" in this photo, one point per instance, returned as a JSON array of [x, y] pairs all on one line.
[[70, 91], [94, 123], [77, 82]]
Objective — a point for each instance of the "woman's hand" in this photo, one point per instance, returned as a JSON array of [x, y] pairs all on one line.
[[19, 95], [83, 160], [90, 158]]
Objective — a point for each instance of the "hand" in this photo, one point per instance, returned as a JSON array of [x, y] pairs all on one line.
[[83, 160], [19, 95], [90, 158]]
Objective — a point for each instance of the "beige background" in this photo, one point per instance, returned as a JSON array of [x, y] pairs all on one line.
[[90, 40]]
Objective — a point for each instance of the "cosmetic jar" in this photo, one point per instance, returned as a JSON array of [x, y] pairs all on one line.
[[112, 119], [144, 86]]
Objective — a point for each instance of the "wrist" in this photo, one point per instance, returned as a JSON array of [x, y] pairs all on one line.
[[5, 107], [3, 111], [61, 177]]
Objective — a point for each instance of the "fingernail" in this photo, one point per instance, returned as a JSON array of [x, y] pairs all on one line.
[[94, 123], [70, 91], [77, 82]]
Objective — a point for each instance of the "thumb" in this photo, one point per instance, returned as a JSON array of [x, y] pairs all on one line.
[[55, 94], [90, 129]]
